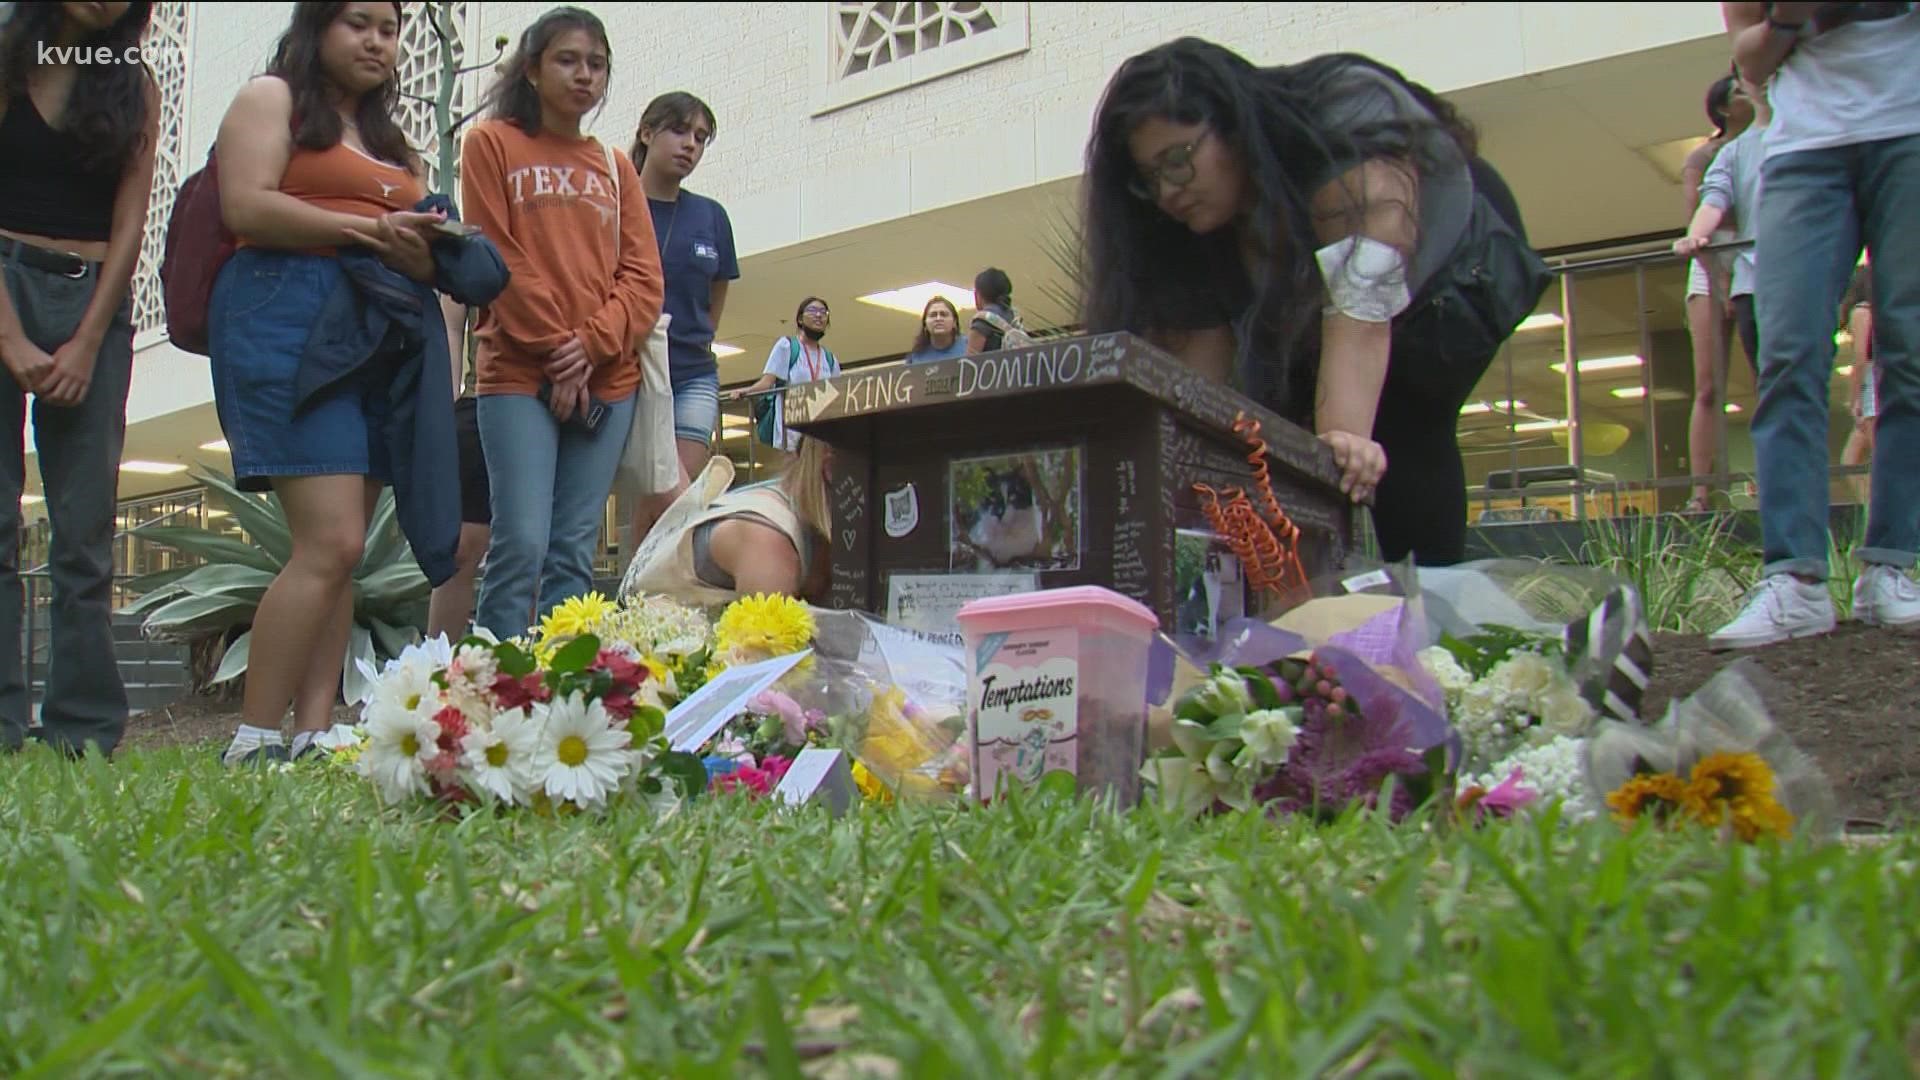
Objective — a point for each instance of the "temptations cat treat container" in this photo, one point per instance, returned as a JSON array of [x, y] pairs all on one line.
[[1057, 682]]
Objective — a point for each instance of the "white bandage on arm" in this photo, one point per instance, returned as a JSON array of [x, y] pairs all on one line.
[[1366, 279]]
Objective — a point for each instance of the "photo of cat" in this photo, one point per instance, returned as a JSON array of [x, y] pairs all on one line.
[[1016, 511]]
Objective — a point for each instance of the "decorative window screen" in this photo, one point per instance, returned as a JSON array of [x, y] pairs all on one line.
[[876, 48]]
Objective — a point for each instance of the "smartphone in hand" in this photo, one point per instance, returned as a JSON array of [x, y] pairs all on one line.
[[588, 417], [457, 229]]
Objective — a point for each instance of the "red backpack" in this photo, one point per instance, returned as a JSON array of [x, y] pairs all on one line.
[[198, 245]]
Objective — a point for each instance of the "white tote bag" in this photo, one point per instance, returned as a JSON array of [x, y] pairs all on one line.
[[649, 464]]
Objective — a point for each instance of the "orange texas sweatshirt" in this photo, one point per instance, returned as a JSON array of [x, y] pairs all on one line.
[[557, 216]]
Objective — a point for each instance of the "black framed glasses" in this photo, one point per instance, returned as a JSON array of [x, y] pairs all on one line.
[[1174, 165]]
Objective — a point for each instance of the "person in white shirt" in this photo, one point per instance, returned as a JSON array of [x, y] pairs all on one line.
[[1841, 171], [799, 358]]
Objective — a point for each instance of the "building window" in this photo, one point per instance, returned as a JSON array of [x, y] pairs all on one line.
[[873, 49], [420, 68], [168, 39]]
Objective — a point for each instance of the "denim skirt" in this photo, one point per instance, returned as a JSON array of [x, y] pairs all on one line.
[[263, 308]]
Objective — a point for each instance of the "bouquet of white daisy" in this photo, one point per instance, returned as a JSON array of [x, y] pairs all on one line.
[[487, 721]]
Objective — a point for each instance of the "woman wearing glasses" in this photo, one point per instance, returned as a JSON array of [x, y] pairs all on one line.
[[1325, 236]]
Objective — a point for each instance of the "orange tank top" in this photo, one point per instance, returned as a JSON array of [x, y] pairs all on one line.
[[348, 181]]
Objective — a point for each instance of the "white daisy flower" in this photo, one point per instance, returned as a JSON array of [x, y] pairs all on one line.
[[580, 755], [399, 745], [497, 758], [406, 686]]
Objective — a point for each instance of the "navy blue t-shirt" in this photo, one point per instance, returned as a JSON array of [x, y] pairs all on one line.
[[696, 249]]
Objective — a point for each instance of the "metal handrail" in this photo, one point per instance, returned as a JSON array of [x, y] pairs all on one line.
[[1644, 258]]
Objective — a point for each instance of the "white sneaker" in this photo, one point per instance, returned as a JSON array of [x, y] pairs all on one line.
[[1781, 608], [1883, 596]]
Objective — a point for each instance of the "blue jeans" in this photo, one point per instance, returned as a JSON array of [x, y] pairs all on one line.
[[550, 486], [1819, 207]]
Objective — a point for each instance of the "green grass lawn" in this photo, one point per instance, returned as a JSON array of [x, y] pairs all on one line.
[[162, 916]]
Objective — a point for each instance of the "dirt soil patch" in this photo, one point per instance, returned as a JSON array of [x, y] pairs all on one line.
[[194, 721], [1850, 700]]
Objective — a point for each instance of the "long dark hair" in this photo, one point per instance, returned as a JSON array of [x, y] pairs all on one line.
[[512, 97], [1719, 99], [994, 287], [296, 59], [667, 110], [1146, 272], [924, 340], [107, 111]]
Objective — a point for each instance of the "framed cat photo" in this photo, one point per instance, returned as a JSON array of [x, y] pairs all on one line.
[[1018, 511]]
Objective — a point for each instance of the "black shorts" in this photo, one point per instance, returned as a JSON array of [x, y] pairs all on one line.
[[476, 497]]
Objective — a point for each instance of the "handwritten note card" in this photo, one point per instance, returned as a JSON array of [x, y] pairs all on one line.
[[929, 602]]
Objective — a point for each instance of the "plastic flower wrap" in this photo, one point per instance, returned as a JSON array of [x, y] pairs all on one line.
[[1313, 733], [1716, 760], [487, 722]]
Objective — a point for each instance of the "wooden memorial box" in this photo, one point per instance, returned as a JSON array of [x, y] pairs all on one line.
[[1071, 462]]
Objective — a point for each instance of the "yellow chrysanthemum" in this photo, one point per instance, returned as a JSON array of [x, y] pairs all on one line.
[[761, 627], [1658, 796], [577, 615], [1739, 788]]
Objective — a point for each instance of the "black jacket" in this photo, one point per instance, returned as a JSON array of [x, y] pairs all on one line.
[[382, 318]]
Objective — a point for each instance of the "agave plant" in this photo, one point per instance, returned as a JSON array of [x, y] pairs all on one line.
[[193, 604]]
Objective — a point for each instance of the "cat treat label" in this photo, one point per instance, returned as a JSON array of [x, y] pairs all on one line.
[[1025, 707]]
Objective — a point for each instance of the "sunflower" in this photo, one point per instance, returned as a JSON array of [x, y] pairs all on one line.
[[1658, 795], [1739, 788], [761, 627]]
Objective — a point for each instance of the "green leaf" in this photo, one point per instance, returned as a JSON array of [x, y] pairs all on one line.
[[688, 772], [194, 613], [1260, 687], [384, 538], [1059, 783], [392, 584], [91, 1040], [1227, 727], [264, 522], [1135, 898], [208, 545], [392, 640], [235, 661], [227, 579], [160, 596], [646, 723], [354, 686], [576, 656], [146, 584], [513, 660]]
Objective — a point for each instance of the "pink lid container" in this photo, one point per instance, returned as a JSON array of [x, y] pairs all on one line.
[[1057, 682]]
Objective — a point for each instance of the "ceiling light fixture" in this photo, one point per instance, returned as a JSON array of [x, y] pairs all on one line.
[[152, 468], [29, 500], [721, 351], [1546, 320], [218, 446], [1604, 363], [912, 299], [1630, 392], [1541, 425]]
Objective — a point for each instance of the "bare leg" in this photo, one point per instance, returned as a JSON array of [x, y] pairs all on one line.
[[1859, 451], [327, 516], [1703, 324], [451, 608], [319, 687]]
